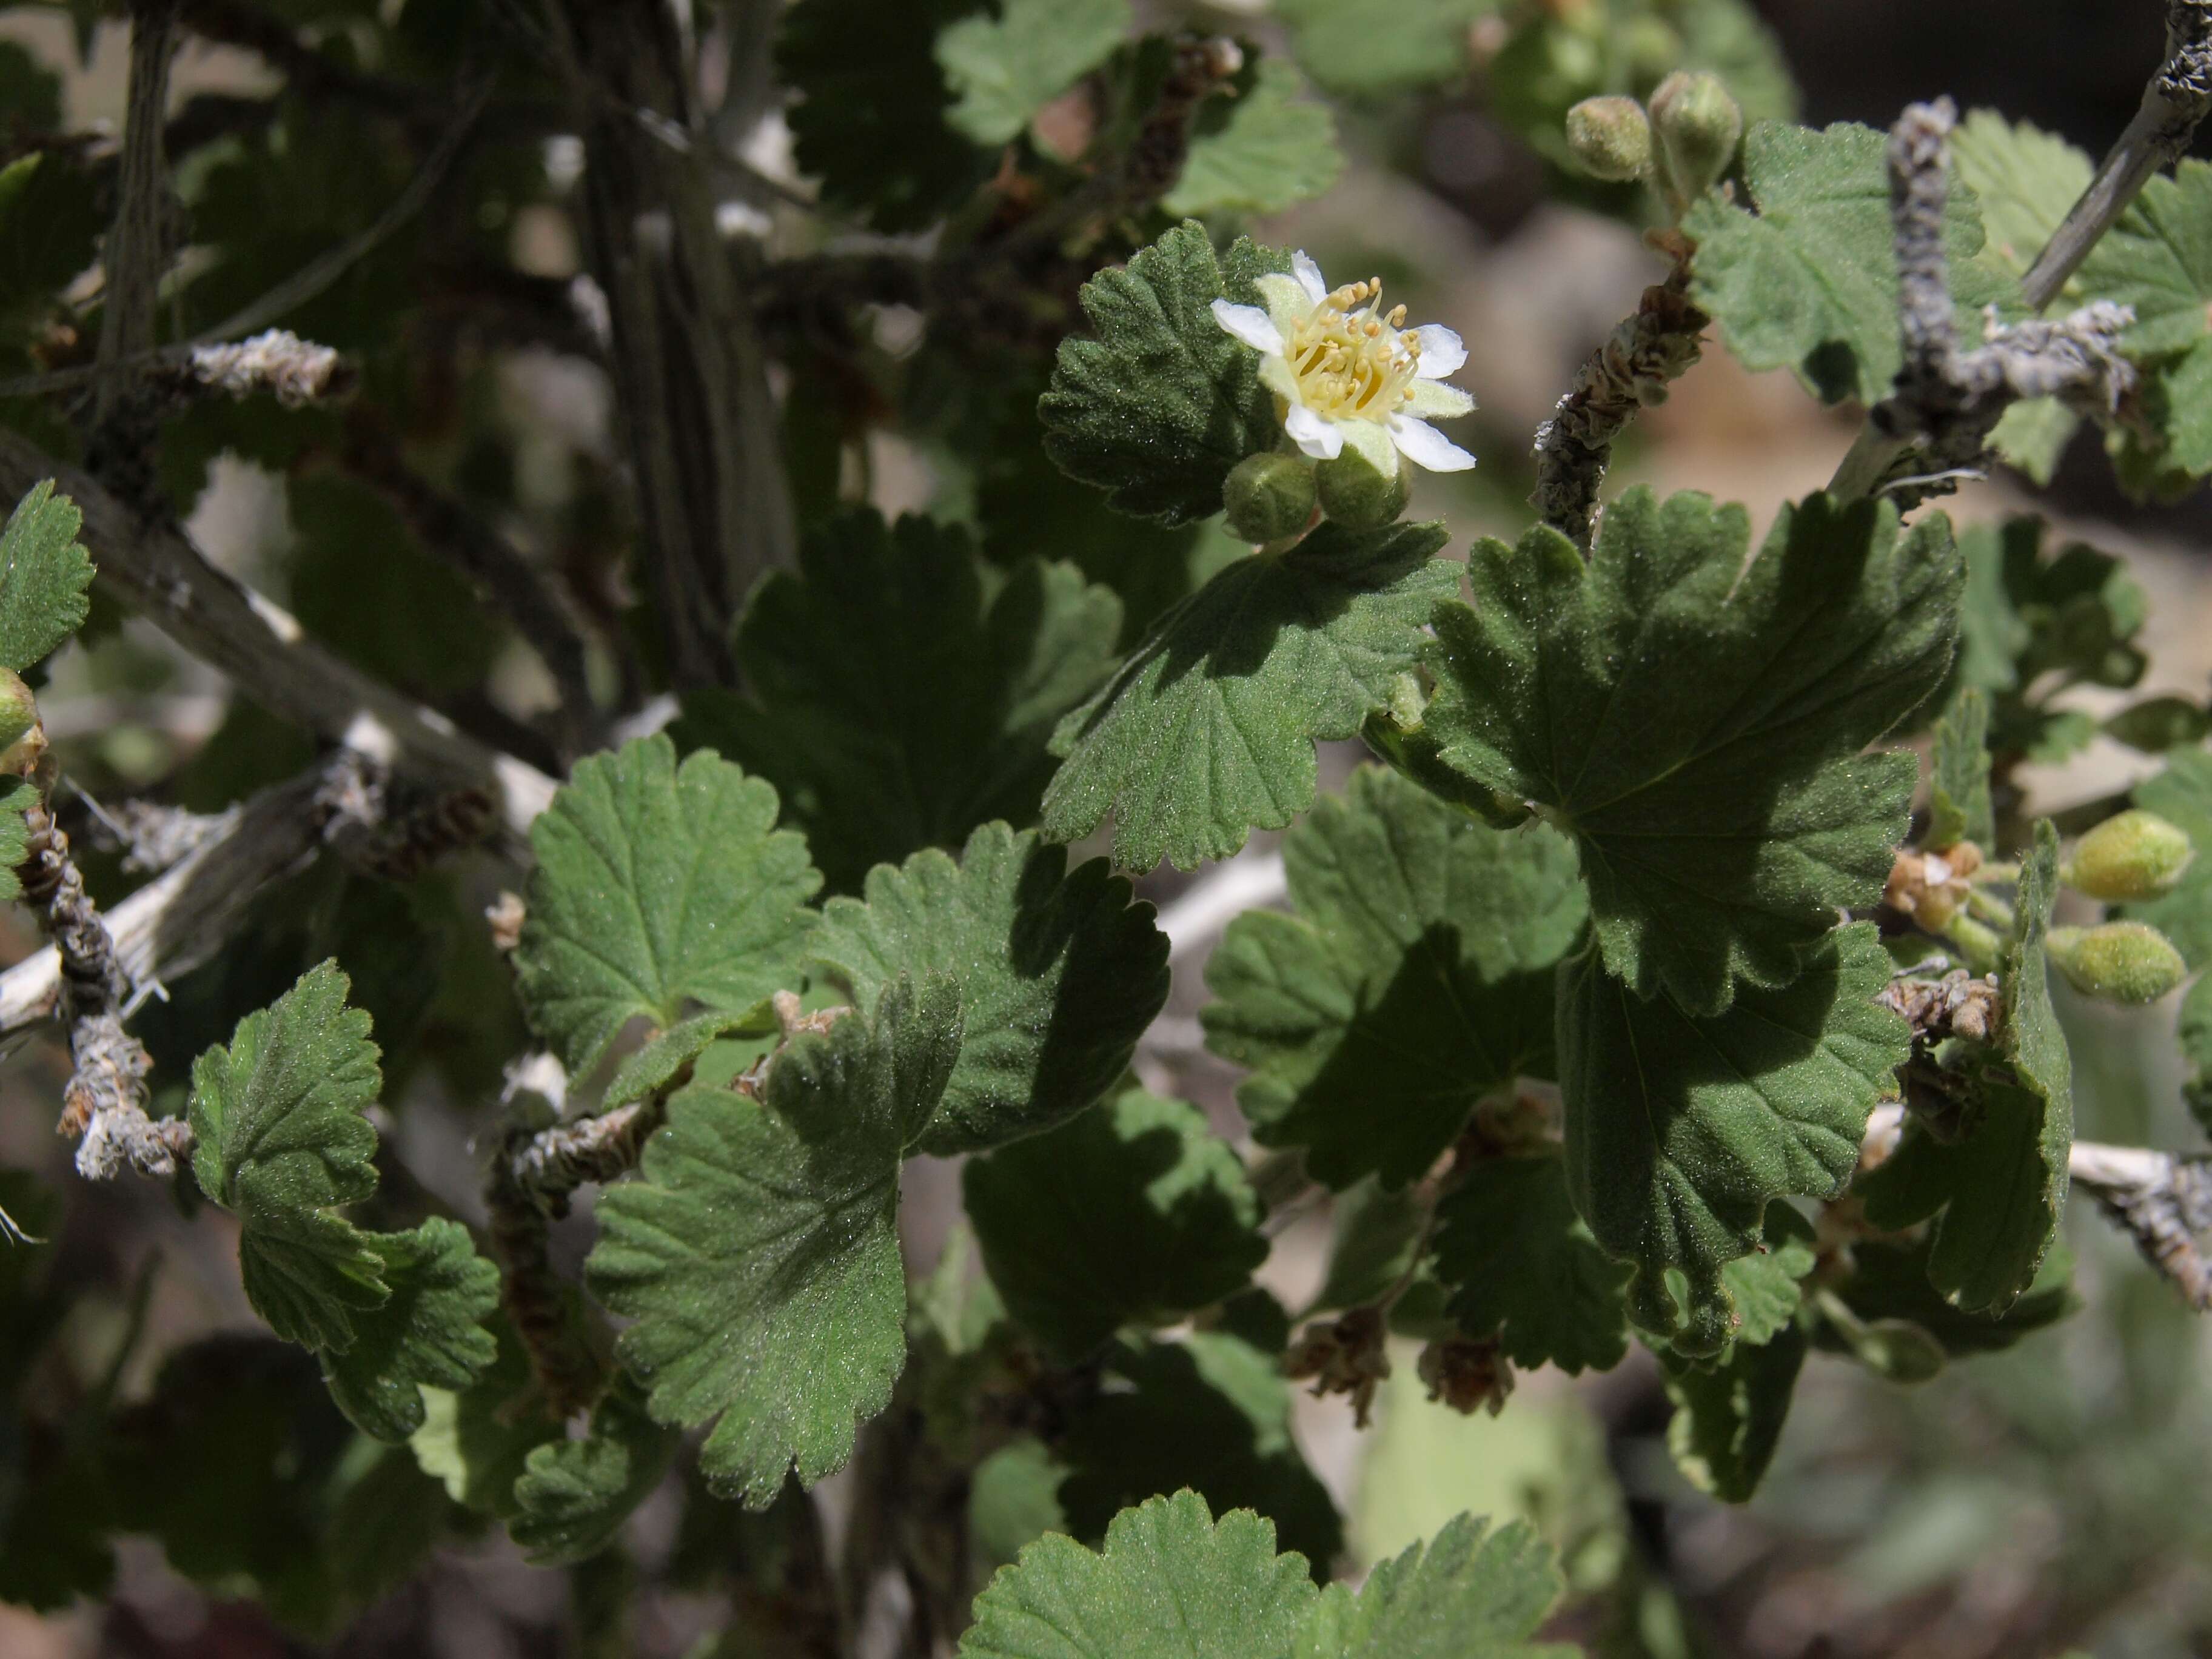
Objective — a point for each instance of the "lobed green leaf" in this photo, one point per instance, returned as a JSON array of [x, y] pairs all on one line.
[[1207, 731], [44, 572]]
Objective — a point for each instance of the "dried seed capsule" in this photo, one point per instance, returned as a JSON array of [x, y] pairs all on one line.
[[1610, 138], [2125, 860], [1699, 126], [1270, 496], [1356, 496], [2127, 962]]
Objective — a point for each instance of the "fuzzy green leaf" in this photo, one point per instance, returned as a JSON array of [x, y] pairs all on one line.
[[901, 691], [1727, 1419], [1468, 1592], [1158, 402], [2182, 794], [573, 1495], [1696, 721], [657, 887], [475, 1440], [872, 123], [280, 1141], [1767, 1285], [2001, 1189], [1960, 807], [1135, 1212], [1275, 150], [1889, 1282], [1207, 732], [2025, 614], [1004, 68], [429, 1333], [1809, 282], [1680, 1130], [44, 574], [18, 796], [2025, 181], [656, 1065], [759, 1256], [1170, 1584], [1211, 1413], [1523, 1268], [1376, 1234], [1415, 978], [1375, 47], [1058, 974], [2157, 259]]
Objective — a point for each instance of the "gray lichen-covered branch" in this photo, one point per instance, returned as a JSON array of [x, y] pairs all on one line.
[[1948, 397], [2164, 1203]]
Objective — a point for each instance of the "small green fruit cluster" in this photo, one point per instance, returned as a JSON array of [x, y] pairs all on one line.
[[2129, 962], [1273, 495], [1683, 143], [22, 739], [2126, 859]]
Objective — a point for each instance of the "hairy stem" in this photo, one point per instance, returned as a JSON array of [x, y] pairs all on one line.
[[2174, 104]]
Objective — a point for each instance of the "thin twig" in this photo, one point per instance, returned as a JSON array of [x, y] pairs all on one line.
[[319, 274], [154, 569], [492, 565], [2174, 104], [2163, 1202], [1630, 373], [104, 1104]]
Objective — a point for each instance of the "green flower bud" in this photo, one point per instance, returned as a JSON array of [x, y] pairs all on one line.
[[2125, 860], [1270, 496], [1699, 126], [1610, 138], [1356, 496], [2120, 961], [25, 739]]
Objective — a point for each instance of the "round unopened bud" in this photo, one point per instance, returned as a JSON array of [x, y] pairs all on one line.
[[2127, 962], [1270, 496], [2125, 860], [25, 739], [1356, 496], [1610, 138], [1699, 126]]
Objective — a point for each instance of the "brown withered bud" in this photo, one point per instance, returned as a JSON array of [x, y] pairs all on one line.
[[1931, 887], [1344, 1356], [1467, 1375], [505, 916]]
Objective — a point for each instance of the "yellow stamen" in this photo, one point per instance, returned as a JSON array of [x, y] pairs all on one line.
[[1349, 359]]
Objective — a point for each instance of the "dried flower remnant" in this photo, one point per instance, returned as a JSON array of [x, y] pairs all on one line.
[[1345, 1356]]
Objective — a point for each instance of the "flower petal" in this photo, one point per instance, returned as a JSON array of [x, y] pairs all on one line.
[[1285, 300], [1308, 275], [1251, 325], [1424, 446], [1435, 400], [1314, 436], [1441, 352], [1371, 443], [1275, 375]]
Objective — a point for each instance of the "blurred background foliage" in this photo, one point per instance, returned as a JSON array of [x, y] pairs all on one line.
[[2039, 1501]]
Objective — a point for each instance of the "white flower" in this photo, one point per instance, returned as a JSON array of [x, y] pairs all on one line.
[[1342, 373]]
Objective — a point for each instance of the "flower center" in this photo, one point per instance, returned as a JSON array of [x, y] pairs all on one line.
[[1350, 360]]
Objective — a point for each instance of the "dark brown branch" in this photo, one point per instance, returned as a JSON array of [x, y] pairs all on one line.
[[491, 564], [313, 73], [154, 569], [1630, 373]]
